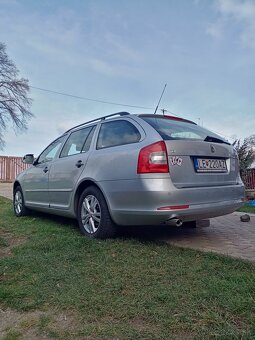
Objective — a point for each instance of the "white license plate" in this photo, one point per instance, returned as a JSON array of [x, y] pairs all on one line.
[[210, 165]]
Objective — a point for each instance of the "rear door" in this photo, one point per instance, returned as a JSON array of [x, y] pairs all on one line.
[[67, 168], [116, 152]]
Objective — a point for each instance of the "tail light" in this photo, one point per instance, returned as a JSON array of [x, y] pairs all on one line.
[[153, 158]]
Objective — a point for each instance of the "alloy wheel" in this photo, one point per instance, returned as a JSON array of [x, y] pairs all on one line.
[[18, 202], [90, 214]]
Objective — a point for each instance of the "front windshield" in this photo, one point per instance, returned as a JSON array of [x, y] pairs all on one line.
[[171, 129]]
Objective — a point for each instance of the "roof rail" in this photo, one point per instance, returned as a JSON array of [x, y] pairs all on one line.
[[100, 118]]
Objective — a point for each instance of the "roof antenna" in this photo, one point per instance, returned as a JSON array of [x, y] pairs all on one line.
[[160, 99]]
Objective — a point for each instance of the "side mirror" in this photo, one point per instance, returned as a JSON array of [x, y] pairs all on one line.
[[28, 159]]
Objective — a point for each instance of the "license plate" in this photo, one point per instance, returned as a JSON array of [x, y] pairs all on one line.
[[210, 165]]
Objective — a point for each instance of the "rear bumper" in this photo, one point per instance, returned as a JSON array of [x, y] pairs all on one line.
[[136, 202], [194, 212]]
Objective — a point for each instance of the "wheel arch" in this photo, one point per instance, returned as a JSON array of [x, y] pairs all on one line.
[[81, 187], [22, 210], [15, 185]]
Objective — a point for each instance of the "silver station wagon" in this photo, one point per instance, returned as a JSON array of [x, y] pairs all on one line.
[[125, 169]]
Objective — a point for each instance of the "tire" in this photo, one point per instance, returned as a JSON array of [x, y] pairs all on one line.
[[18, 203], [93, 215]]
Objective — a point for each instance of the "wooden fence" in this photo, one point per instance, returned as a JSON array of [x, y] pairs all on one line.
[[10, 167], [249, 179]]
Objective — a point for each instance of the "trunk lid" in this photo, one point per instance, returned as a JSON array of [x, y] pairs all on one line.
[[183, 157]]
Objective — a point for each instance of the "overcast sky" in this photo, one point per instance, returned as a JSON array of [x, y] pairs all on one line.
[[125, 51]]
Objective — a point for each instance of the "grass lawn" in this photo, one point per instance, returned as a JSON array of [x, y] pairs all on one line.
[[247, 209], [55, 283]]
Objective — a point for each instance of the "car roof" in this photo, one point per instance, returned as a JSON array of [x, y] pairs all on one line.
[[100, 119], [123, 113]]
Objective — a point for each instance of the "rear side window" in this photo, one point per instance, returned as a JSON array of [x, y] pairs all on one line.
[[170, 129], [115, 133], [78, 141]]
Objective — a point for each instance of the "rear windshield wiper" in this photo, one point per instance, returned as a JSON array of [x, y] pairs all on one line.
[[212, 139]]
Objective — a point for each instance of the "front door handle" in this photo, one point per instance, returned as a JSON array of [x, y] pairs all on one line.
[[46, 169], [79, 164]]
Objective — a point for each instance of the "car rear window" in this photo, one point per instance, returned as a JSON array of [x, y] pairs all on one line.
[[171, 129]]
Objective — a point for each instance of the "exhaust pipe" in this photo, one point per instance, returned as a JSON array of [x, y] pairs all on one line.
[[176, 222]]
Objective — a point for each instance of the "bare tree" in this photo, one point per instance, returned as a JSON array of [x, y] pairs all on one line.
[[14, 101], [246, 153]]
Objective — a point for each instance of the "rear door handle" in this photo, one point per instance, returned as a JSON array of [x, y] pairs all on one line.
[[46, 169], [79, 164]]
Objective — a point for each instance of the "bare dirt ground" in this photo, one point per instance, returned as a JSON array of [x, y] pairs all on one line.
[[36, 324], [6, 190]]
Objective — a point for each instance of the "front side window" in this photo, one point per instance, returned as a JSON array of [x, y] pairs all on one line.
[[116, 133], [78, 141], [50, 152]]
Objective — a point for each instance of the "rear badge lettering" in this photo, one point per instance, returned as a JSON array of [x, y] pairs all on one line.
[[176, 160]]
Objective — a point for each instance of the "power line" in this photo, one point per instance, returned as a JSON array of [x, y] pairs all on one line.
[[98, 100], [106, 102], [90, 99]]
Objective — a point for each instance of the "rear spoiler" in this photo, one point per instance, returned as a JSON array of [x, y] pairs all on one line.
[[167, 117]]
